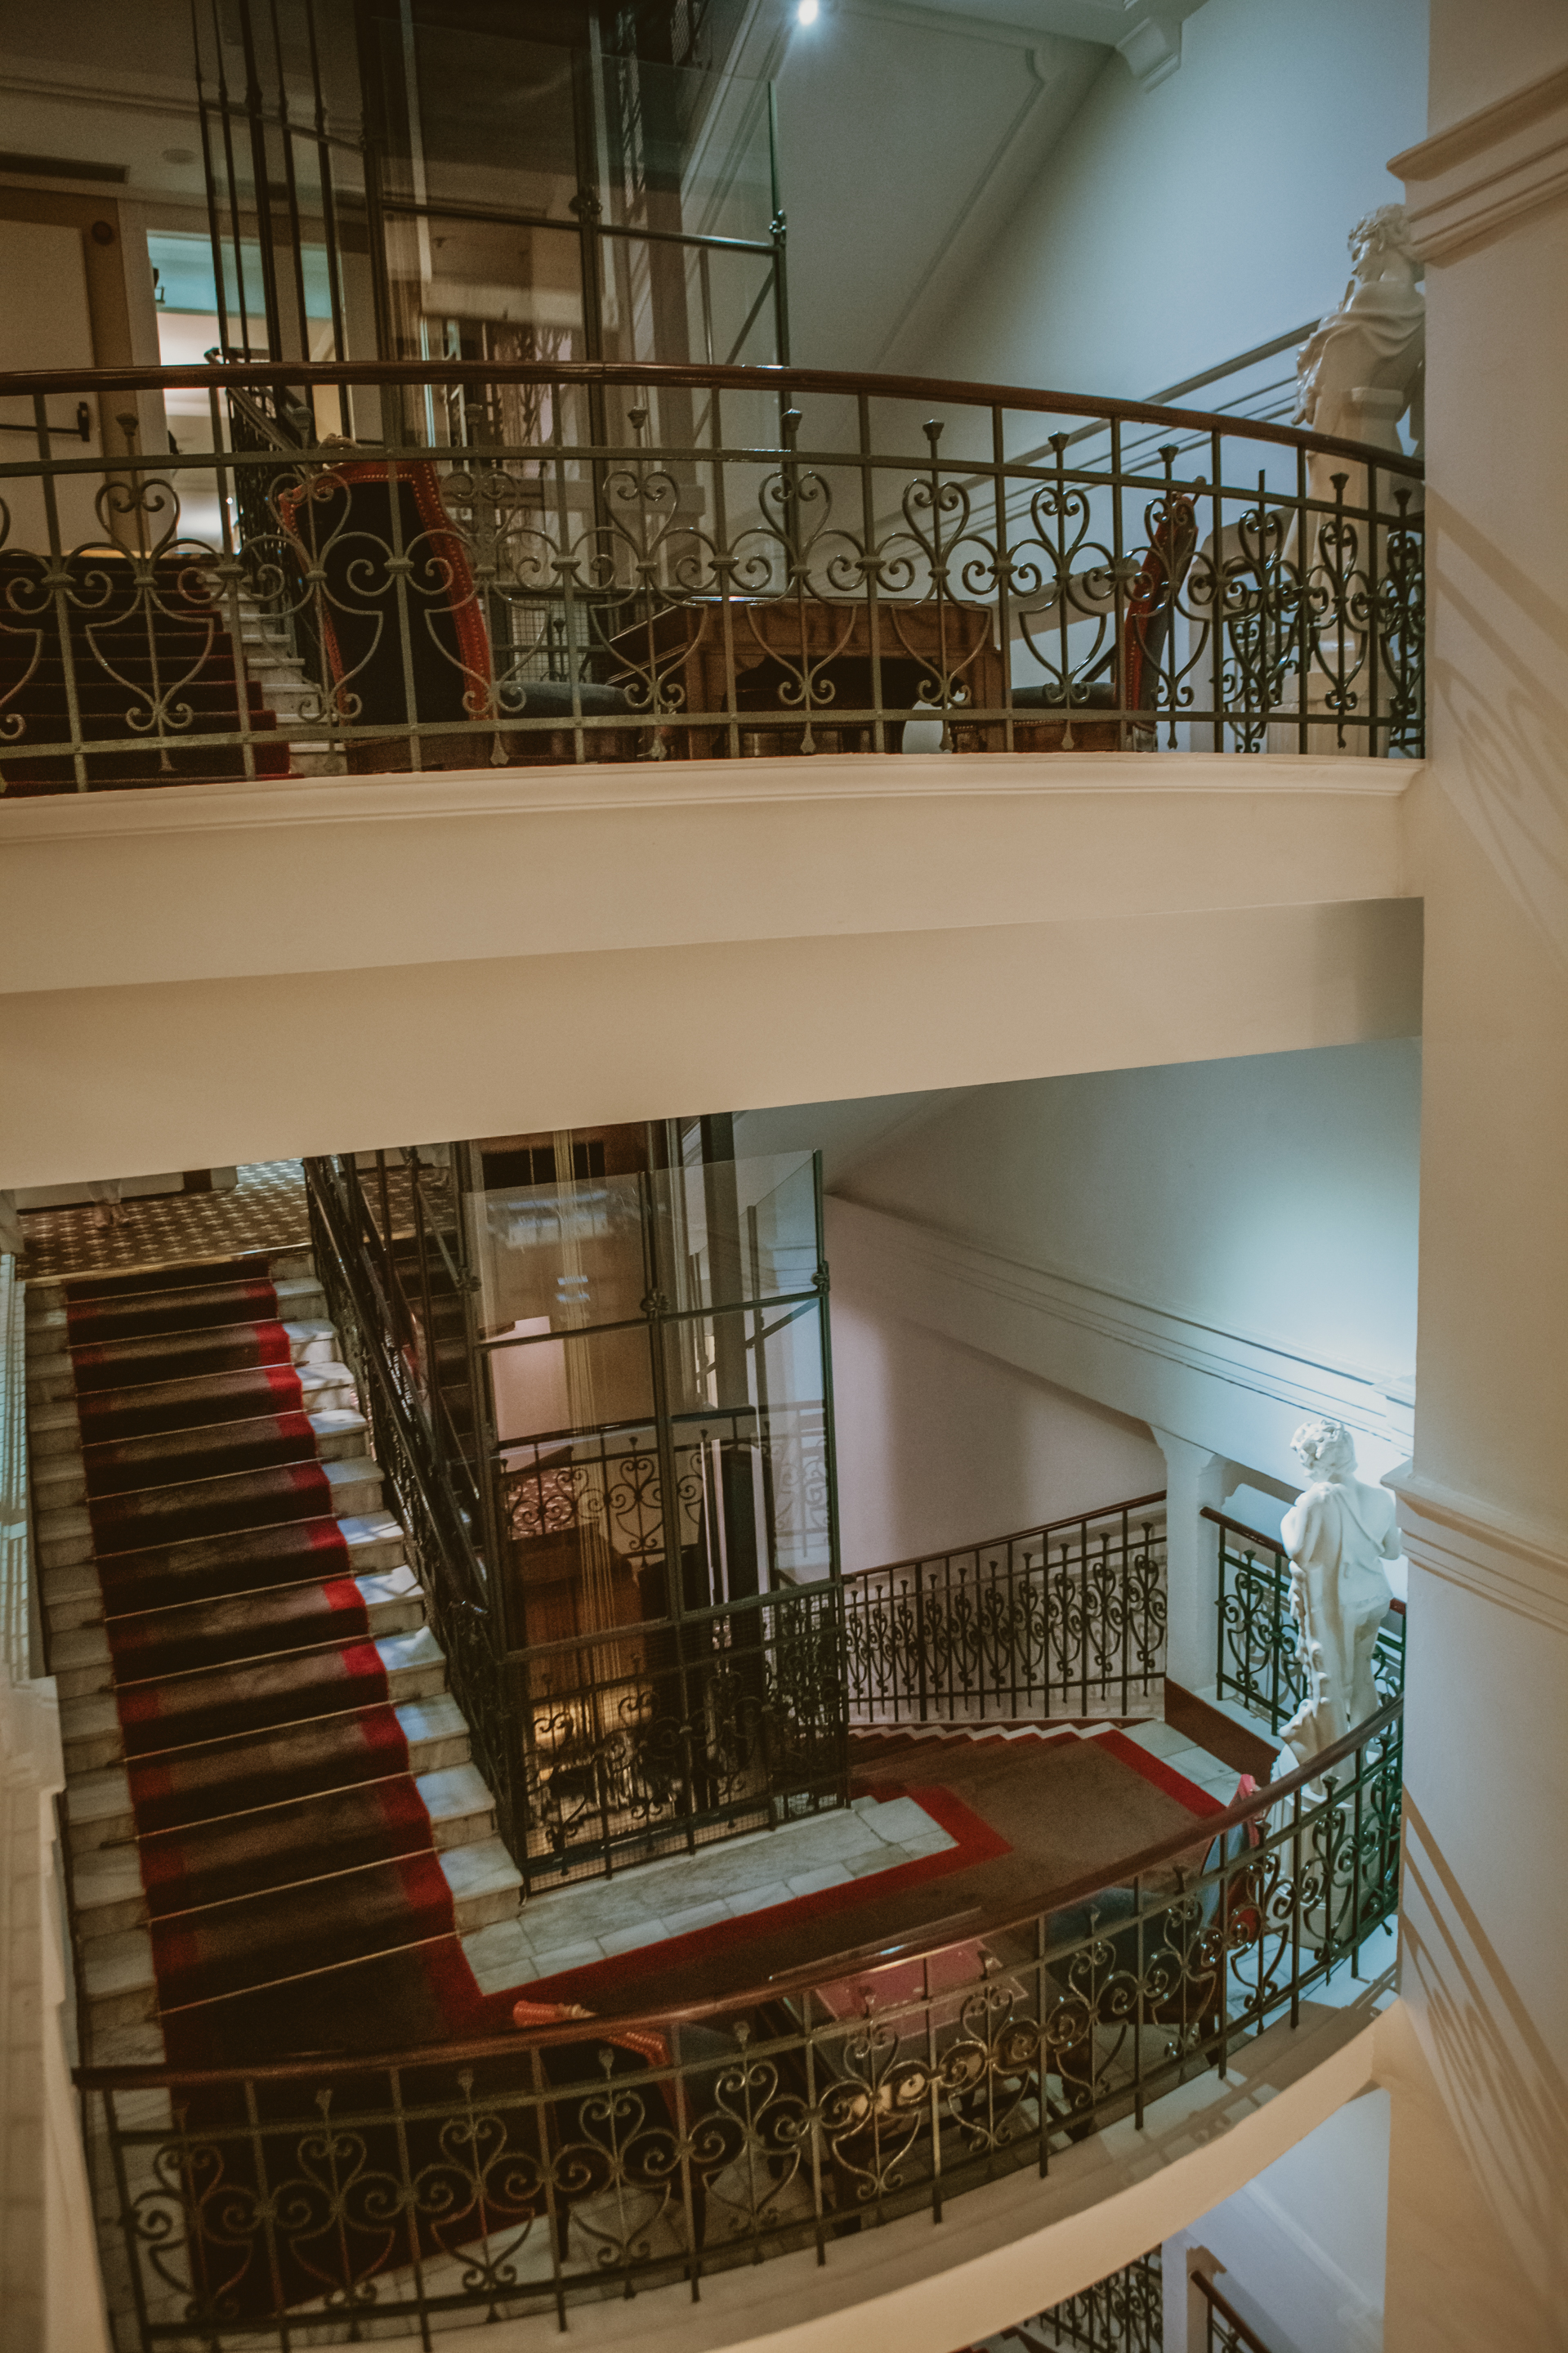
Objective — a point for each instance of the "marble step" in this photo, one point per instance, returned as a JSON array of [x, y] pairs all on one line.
[[73, 1596], [64, 1537], [50, 1377], [59, 1479], [278, 1266], [81, 1659], [121, 1988], [108, 1897], [90, 1735], [99, 1811], [54, 1429], [299, 1296]]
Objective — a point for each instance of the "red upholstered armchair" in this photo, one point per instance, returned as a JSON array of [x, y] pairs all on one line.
[[352, 546]]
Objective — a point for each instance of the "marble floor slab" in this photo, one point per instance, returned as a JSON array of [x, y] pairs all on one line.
[[570, 1928]]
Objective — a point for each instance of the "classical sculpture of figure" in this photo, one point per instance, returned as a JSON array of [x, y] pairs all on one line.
[[1375, 341], [1338, 1532]]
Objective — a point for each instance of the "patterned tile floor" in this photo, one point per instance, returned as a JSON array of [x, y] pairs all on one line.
[[265, 1211]]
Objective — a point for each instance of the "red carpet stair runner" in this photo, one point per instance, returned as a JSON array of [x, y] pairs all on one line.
[[266, 1777]]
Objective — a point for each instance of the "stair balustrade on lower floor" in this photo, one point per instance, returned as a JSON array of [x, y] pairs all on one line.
[[1223, 2328], [1260, 1663], [1064, 1620], [1123, 2312], [401, 2190]]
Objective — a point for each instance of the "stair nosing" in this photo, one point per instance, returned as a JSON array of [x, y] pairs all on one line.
[[206, 1600], [209, 1478], [253, 1528], [260, 1658], [299, 1977], [267, 1732], [316, 1878], [244, 1813], [137, 1388]]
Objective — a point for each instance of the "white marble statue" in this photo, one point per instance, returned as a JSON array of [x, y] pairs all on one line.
[[1376, 340], [1339, 1533]]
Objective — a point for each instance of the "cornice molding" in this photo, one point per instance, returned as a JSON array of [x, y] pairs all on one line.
[[1376, 1406], [1504, 161], [1503, 1554], [1536, 1544], [671, 784]]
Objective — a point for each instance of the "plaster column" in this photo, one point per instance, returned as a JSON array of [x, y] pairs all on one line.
[[1478, 2253], [1194, 1478]]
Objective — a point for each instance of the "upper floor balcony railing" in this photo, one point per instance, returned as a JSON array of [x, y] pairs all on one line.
[[445, 564]]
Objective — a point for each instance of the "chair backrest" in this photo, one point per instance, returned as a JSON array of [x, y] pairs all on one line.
[[1173, 543]]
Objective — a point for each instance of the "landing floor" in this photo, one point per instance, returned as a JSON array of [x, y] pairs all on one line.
[[993, 1823]]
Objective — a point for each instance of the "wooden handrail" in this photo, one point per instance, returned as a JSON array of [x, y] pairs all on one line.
[[1222, 2304], [1270, 1544], [1241, 1528], [21, 383], [1127, 1868]]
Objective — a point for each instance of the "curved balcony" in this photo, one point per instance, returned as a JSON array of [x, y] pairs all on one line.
[[482, 566], [326, 2197]]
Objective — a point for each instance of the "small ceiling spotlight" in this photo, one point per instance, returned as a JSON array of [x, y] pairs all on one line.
[[806, 13]]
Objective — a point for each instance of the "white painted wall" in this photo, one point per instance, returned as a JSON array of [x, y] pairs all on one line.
[[1271, 1196], [1170, 229], [1480, 2119], [1304, 2245], [941, 1445]]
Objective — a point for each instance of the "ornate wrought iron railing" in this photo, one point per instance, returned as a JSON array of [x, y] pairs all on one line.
[[1123, 2312], [438, 1525], [329, 2200], [602, 1749], [1066, 1619], [1259, 1661], [690, 561]]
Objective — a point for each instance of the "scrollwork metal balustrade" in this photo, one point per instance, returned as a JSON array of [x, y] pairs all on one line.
[[325, 2200], [1065, 1619], [613, 563], [1123, 2312], [1259, 1640]]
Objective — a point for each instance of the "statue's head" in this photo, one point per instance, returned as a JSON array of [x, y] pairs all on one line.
[[1380, 235], [1326, 1449]]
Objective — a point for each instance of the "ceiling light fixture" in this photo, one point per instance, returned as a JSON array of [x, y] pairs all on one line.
[[806, 12]]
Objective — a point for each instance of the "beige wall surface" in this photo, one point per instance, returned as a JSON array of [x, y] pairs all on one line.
[[1484, 50], [1276, 1197], [198, 978], [938, 1444], [1480, 2113], [210, 1072], [185, 884], [1163, 231]]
